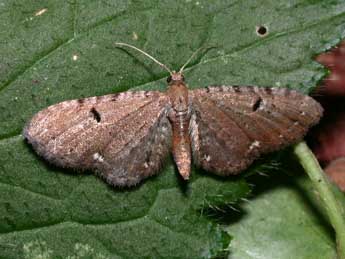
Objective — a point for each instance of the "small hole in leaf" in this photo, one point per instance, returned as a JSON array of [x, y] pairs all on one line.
[[261, 31]]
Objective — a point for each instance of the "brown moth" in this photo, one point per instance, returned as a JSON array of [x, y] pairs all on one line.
[[125, 137]]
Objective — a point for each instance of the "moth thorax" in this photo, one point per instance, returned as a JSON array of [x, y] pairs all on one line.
[[178, 95]]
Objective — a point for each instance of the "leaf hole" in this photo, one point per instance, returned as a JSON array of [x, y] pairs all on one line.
[[261, 30], [96, 115]]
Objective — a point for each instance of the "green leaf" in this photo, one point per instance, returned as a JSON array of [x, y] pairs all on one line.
[[58, 50], [43, 209], [283, 221], [333, 206]]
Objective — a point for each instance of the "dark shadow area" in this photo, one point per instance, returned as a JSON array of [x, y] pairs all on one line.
[[230, 213], [289, 176]]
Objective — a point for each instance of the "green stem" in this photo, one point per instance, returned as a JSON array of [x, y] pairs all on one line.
[[334, 209]]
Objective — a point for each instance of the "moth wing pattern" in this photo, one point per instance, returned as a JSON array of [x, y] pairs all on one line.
[[231, 126], [123, 137]]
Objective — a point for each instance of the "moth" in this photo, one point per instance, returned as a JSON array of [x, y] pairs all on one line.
[[125, 137]]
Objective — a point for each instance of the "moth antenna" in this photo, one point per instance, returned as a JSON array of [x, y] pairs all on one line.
[[146, 54], [193, 55]]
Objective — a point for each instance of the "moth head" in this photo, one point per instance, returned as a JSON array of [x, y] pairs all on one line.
[[175, 77]]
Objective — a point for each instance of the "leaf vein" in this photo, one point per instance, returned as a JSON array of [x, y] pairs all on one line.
[[11, 186]]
